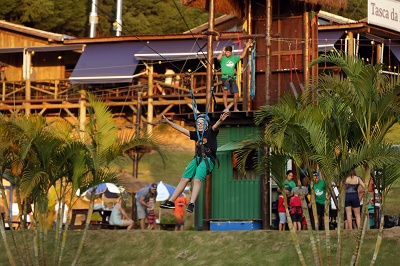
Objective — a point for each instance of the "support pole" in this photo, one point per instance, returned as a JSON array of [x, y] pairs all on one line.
[[268, 26], [93, 19], [26, 73], [210, 54], [136, 158], [119, 18], [150, 100], [306, 46]]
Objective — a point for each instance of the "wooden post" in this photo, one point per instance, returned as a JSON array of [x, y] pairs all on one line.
[[210, 54], [3, 96], [306, 47], [350, 46], [82, 115], [268, 25], [150, 100], [135, 169], [56, 85]]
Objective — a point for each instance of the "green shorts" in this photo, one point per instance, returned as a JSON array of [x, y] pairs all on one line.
[[198, 171]]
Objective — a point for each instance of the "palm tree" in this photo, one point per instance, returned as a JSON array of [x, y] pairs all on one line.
[[371, 97], [385, 178], [102, 147], [327, 132]]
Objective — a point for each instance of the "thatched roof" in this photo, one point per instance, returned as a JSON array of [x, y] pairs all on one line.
[[236, 7], [131, 184], [327, 3], [229, 7]]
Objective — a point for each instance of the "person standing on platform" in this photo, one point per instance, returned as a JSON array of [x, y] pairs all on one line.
[[228, 78]]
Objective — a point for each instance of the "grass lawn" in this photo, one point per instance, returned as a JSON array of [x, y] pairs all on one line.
[[135, 247]]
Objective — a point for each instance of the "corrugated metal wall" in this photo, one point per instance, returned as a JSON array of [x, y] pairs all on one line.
[[231, 199]]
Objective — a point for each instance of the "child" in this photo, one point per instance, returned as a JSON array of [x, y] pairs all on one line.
[[282, 213], [296, 210], [179, 212], [151, 215], [203, 162]]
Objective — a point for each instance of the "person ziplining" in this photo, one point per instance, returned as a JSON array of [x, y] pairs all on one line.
[[204, 160]]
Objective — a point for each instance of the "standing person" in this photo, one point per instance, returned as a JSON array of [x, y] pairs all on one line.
[[118, 213], [228, 64], [3, 74], [289, 184], [142, 203], [151, 215], [64, 216], [296, 211], [320, 194], [352, 202], [281, 212], [203, 162], [179, 212]]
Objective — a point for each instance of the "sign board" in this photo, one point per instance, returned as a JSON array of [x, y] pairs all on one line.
[[384, 13]]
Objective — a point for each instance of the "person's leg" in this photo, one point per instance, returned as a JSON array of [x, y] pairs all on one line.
[[235, 103], [200, 176], [142, 223], [357, 216], [225, 98], [225, 90], [141, 214], [235, 91], [196, 190], [179, 188], [349, 220], [127, 223]]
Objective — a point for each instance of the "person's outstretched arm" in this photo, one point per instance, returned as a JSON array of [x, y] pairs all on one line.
[[176, 126], [220, 120], [248, 44], [221, 54]]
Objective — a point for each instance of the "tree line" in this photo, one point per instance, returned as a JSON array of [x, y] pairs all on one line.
[[71, 17]]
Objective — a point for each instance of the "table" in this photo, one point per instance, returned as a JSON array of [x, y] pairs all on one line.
[[105, 215]]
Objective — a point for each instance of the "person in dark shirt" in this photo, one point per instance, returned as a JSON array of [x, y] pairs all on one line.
[[204, 160]]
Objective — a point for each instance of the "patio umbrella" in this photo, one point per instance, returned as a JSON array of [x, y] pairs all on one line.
[[108, 190]]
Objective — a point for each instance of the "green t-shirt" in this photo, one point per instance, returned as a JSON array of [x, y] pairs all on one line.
[[291, 183], [228, 65], [320, 192]]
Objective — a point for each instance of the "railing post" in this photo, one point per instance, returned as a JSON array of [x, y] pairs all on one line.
[[56, 84], [3, 96]]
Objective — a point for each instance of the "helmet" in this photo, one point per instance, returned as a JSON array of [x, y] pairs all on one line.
[[206, 120], [205, 117]]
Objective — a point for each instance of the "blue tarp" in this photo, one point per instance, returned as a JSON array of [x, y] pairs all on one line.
[[106, 63]]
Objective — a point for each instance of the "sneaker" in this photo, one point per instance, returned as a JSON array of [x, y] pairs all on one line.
[[168, 205], [226, 110], [190, 207]]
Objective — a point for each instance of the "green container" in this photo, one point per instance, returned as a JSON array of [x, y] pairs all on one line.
[[233, 197]]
